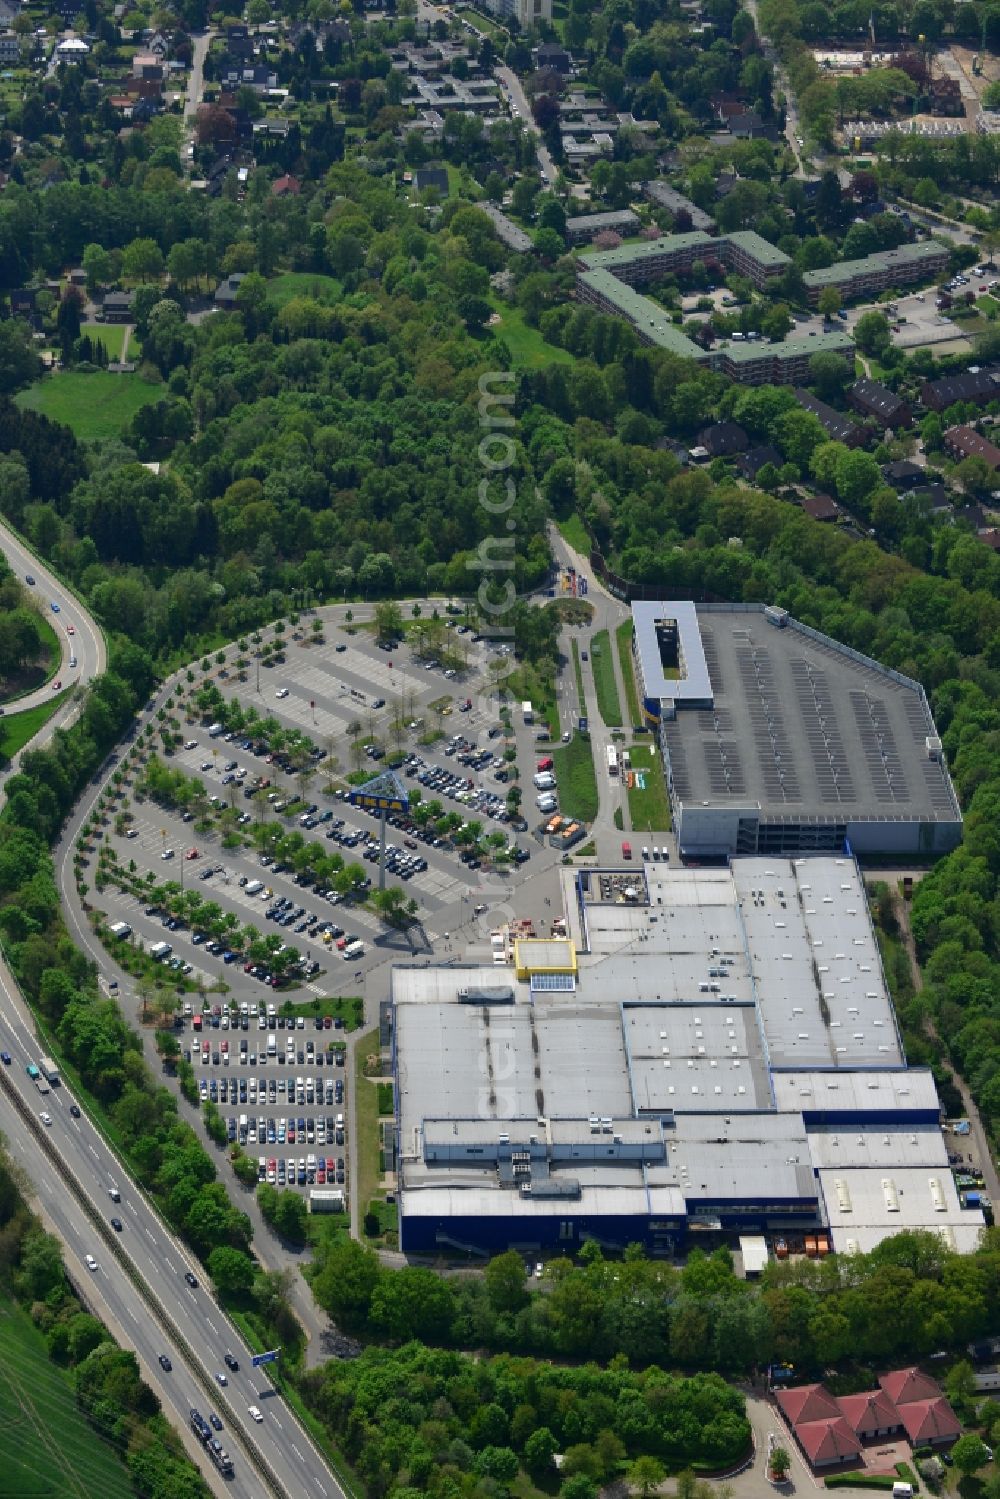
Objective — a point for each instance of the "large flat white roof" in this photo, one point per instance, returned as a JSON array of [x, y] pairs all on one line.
[[816, 965], [857, 1094], [892, 1199], [692, 682]]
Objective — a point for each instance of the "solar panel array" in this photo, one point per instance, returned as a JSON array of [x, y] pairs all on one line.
[[771, 743], [935, 780], [878, 744], [552, 983], [826, 748]]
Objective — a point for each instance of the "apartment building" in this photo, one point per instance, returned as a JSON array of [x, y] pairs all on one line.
[[905, 266]]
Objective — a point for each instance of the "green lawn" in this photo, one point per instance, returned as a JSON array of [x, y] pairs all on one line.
[[95, 407], [304, 284], [525, 685], [366, 1124], [49, 1449], [648, 807], [111, 335], [988, 305], [482, 24], [574, 533], [528, 349], [623, 636], [578, 671], [17, 728], [574, 769], [604, 679]]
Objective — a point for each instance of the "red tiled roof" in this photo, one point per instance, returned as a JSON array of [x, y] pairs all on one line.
[[930, 1420], [904, 1385], [807, 1402], [869, 1412], [830, 1441], [286, 184]]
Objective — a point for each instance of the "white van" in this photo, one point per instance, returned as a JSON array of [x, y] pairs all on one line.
[[354, 950], [546, 802], [544, 780], [272, 1044], [254, 887]]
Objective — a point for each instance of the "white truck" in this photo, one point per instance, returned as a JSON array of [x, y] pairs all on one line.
[[527, 712], [120, 929], [254, 887], [160, 951]]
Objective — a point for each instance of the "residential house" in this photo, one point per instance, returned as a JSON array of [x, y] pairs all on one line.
[[723, 439], [117, 306], [926, 1416], [665, 196], [225, 292], [975, 385], [904, 474], [833, 1431], [508, 233], [820, 507], [966, 442], [751, 462], [550, 57], [286, 187], [870, 398], [260, 78], [837, 426], [583, 227], [431, 177]]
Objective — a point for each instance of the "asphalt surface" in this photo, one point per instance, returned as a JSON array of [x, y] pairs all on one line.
[[79, 1153], [86, 643]]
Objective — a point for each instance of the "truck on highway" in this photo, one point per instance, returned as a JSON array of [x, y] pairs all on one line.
[[120, 929], [160, 951], [49, 1070], [36, 1077], [220, 1457]]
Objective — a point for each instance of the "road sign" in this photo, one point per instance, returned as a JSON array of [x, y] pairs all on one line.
[[384, 793], [265, 1358]]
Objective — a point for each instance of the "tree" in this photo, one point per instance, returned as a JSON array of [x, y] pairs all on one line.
[[969, 1454], [19, 364], [498, 1463], [777, 323], [871, 333], [829, 375], [142, 260], [830, 301], [231, 1270], [780, 1463], [389, 625], [539, 1450], [646, 1474], [505, 1279], [98, 266]]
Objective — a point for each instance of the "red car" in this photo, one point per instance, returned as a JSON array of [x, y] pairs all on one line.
[[547, 763], [192, 853], [71, 629]]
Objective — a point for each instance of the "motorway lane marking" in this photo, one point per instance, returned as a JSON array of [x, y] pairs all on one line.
[[298, 1454], [149, 1236], [171, 1265], [213, 1326], [277, 1423], [132, 1209], [93, 1151], [130, 1312]]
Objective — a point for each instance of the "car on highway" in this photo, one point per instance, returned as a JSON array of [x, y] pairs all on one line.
[[254, 1412], [222, 1378], [116, 1224], [54, 607], [5, 1058], [90, 1262], [71, 629], [231, 1363], [56, 686], [215, 1420], [29, 580], [45, 1118], [75, 1110], [192, 1280], [165, 1363]]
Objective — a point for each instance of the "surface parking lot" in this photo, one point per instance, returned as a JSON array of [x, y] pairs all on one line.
[[464, 772], [279, 1084]]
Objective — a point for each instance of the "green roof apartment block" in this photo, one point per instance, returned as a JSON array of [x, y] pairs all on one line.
[[607, 280], [876, 273]]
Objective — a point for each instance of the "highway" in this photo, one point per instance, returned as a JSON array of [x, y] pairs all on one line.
[[78, 1154], [86, 643]]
